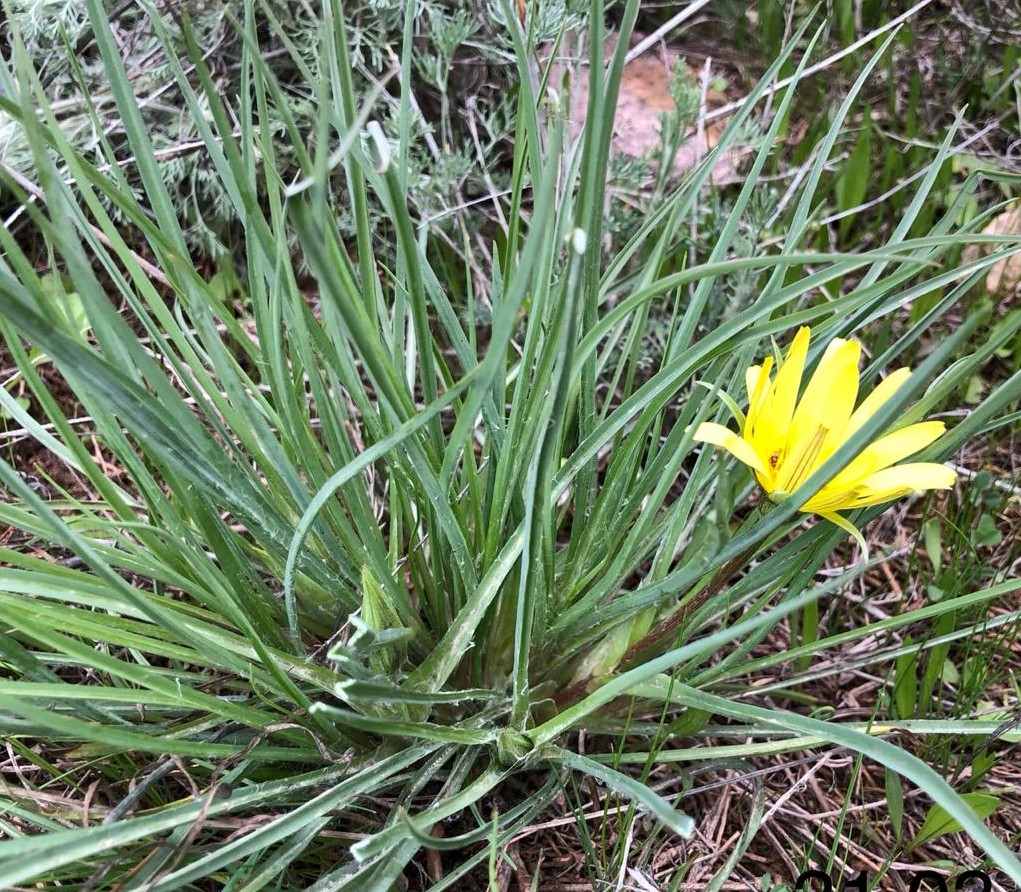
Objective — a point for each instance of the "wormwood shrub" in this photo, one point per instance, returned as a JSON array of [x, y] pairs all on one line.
[[366, 548], [458, 77]]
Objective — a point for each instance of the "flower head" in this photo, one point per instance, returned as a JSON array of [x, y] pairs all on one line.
[[785, 439]]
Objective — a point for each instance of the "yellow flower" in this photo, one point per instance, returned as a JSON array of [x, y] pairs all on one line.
[[785, 440]]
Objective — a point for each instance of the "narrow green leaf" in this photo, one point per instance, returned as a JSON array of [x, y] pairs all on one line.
[[626, 786], [894, 801], [939, 822]]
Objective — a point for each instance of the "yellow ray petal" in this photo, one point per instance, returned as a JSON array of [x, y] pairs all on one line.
[[848, 527], [829, 398], [751, 383], [883, 486], [801, 461], [830, 499], [757, 385], [718, 435], [875, 400], [822, 414], [767, 432], [784, 395], [827, 501], [902, 480], [888, 450]]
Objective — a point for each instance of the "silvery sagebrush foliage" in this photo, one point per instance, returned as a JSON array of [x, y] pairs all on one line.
[[77, 88], [461, 70]]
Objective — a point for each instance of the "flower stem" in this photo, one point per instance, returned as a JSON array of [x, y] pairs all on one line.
[[685, 610]]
